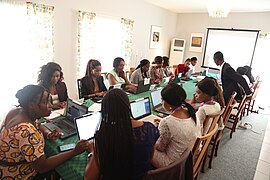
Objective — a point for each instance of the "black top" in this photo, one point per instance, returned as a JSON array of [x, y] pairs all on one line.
[[87, 90]]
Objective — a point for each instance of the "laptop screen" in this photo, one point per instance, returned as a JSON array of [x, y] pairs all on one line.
[[156, 97], [87, 125], [74, 110], [140, 108]]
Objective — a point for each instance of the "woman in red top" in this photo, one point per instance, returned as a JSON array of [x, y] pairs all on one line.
[[183, 68]]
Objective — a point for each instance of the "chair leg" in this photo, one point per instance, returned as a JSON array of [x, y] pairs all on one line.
[[234, 127], [212, 154], [216, 149], [204, 161], [249, 105]]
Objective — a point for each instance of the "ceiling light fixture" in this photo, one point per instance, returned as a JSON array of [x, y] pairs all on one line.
[[218, 9]]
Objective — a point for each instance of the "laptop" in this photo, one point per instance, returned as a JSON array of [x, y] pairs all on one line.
[[157, 102], [188, 76], [141, 110], [177, 78], [165, 81], [141, 87], [87, 125], [66, 125]]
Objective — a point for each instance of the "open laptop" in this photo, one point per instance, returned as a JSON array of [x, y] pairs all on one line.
[[141, 110], [87, 125], [66, 125], [165, 81], [188, 76], [177, 78], [157, 102], [141, 87]]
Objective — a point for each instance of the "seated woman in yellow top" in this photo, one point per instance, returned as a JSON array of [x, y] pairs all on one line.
[[117, 75], [22, 138], [92, 84]]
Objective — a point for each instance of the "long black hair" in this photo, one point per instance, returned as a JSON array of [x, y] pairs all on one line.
[[175, 96], [92, 64], [46, 72], [114, 140]]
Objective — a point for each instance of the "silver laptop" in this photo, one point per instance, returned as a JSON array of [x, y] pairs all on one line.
[[157, 102], [141, 110], [66, 125], [87, 125]]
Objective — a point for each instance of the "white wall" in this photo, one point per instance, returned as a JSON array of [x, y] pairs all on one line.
[[142, 13], [199, 22]]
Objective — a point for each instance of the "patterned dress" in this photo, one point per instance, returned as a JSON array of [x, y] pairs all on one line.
[[21, 143], [176, 135]]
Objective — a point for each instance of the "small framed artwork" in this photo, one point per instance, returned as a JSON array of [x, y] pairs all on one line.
[[196, 42], [155, 37]]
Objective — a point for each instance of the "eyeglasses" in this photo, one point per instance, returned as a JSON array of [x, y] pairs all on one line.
[[97, 70]]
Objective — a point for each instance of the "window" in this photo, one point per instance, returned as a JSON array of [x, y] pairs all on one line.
[[102, 38], [21, 53]]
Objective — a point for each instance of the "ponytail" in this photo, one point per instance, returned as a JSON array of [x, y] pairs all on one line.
[[191, 111]]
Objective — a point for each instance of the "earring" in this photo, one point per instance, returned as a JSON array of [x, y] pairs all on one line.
[[170, 108]]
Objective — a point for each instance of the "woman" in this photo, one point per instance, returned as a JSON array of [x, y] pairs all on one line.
[[92, 84], [166, 67], [50, 77], [206, 91], [156, 71], [22, 137], [183, 68], [117, 75], [179, 130], [123, 147], [141, 72]]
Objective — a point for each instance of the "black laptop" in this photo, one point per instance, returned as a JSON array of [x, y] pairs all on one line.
[[177, 78], [157, 102], [67, 125], [87, 125], [142, 87]]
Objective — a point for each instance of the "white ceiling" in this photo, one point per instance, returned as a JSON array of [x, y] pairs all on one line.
[[193, 6]]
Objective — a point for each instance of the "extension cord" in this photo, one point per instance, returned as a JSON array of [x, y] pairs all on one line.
[[244, 126]]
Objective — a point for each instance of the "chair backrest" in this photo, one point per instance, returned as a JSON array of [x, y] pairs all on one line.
[[209, 126], [228, 109], [181, 169], [131, 70], [256, 88], [241, 106], [199, 150], [79, 85]]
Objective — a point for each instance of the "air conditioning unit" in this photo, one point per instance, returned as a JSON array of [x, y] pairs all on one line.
[[177, 51]]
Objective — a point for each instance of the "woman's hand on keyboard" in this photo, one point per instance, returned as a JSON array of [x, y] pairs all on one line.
[[55, 134]]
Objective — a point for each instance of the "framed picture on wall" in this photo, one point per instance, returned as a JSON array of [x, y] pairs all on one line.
[[196, 42], [155, 37]]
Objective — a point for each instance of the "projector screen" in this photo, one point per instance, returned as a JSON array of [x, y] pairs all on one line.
[[237, 46]]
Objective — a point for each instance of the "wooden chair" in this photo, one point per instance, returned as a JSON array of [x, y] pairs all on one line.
[[235, 115], [181, 169], [214, 117], [79, 86], [130, 72], [200, 149], [224, 117], [251, 100], [175, 69]]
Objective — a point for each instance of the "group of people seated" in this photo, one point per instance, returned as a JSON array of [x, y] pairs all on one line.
[[123, 148]]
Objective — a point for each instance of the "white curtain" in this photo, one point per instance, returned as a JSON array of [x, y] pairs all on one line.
[[86, 40], [103, 38], [21, 55]]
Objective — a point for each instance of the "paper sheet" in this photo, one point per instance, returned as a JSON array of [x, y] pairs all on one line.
[[95, 107]]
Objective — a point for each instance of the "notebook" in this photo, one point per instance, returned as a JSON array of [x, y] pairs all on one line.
[[141, 110], [66, 125], [87, 125], [157, 102]]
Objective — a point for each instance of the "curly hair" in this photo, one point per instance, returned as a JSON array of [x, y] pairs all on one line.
[[46, 72]]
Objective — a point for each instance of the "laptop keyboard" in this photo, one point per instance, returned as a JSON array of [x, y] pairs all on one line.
[[62, 125]]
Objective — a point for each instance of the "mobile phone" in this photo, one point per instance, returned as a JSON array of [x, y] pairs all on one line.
[[66, 147]]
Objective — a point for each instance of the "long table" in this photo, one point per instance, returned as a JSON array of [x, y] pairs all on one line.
[[73, 169]]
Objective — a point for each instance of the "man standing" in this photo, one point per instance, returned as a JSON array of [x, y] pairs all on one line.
[[231, 80]]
